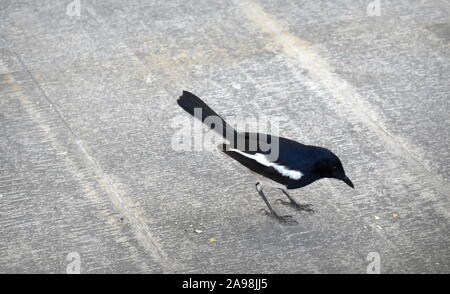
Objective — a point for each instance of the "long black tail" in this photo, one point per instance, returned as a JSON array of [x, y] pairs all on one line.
[[206, 115]]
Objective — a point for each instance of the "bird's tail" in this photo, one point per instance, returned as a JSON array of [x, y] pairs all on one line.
[[200, 110]]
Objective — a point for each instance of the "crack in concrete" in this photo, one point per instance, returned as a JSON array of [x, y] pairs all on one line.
[[119, 201]]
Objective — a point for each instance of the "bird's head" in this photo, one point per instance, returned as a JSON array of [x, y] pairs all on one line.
[[329, 166]]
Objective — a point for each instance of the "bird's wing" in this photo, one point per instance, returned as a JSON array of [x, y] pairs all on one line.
[[261, 163]]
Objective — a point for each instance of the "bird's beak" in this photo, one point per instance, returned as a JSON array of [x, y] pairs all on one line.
[[348, 182]]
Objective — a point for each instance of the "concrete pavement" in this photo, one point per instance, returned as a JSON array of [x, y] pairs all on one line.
[[88, 116]]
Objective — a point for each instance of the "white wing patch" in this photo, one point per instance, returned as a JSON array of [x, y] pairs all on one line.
[[261, 158]]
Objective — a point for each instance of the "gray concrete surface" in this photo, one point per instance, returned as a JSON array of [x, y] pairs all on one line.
[[88, 114]]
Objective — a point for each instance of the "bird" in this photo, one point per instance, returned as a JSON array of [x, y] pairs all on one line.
[[274, 161]]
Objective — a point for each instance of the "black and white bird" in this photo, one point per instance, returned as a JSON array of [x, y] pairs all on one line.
[[294, 165]]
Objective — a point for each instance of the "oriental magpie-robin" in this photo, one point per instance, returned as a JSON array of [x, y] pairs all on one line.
[[274, 161]]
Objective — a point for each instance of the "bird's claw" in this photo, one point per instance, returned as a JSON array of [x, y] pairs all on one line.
[[283, 202], [282, 218], [287, 219], [297, 206]]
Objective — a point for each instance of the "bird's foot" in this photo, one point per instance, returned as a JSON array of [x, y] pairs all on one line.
[[297, 206], [286, 219]]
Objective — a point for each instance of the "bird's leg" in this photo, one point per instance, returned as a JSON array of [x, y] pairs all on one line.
[[281, 218], [296, 205]]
